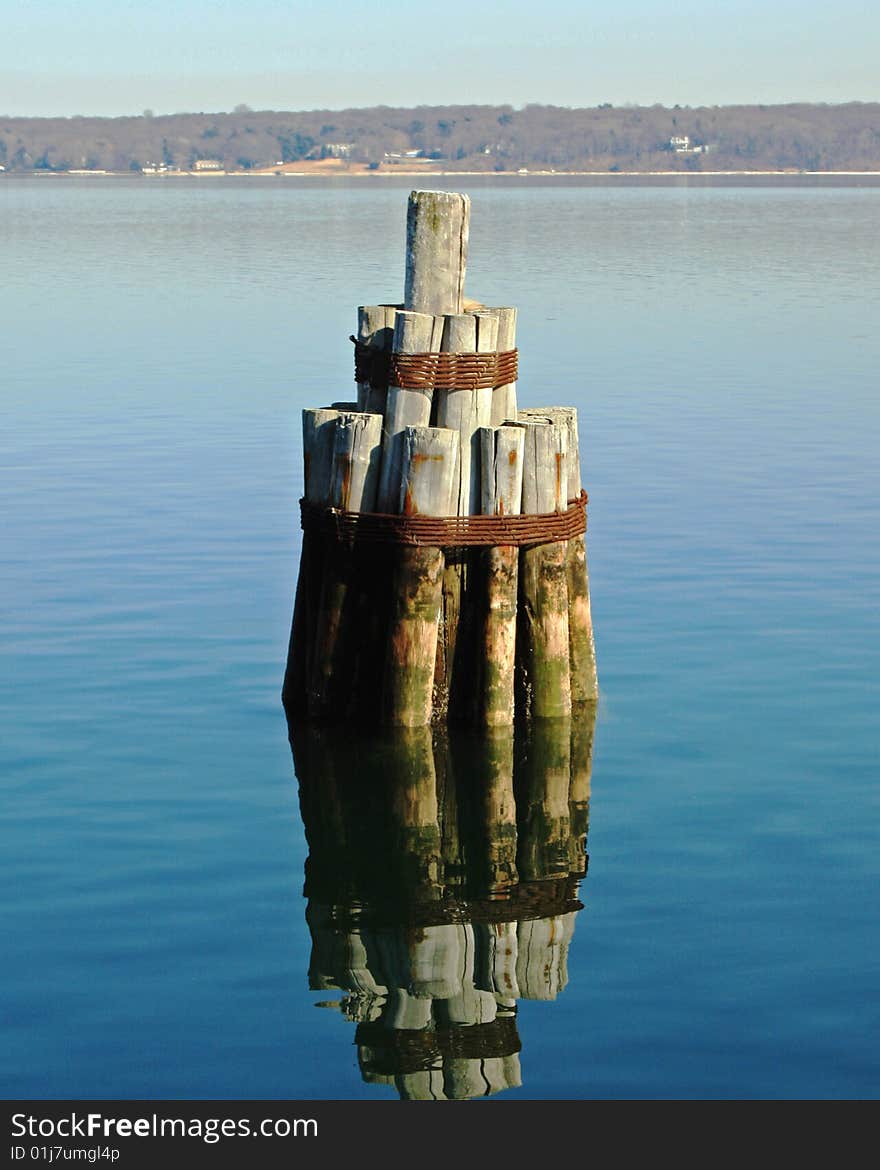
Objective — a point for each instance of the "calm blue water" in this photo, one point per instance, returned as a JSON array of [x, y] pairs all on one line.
[[159, 341]]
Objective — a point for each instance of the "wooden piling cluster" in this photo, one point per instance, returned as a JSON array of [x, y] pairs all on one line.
[[443, 884], [443, 574]]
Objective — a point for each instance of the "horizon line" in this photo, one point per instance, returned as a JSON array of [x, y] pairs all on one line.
[[244, 108]]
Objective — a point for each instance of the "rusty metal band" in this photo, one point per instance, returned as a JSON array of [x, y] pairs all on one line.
[[446, 531], [433, 371]]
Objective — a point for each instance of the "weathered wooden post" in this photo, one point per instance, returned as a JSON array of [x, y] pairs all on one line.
[[405, 405], [354, 479], [582, 649], [453, 410], [436, 260], [502, 476], [375, 333], [465, 407], [437, 229], [428, 483], [461, 409], [504, 397], [543, 638], [437, 233], [318, 430]]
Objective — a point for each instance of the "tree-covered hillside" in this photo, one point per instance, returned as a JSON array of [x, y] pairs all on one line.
[[490, 138]]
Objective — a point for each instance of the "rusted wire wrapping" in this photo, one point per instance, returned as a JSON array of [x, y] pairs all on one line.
[[433, 371], [446, 531]]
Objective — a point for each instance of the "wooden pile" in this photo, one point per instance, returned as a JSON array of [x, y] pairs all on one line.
[[401, 634]]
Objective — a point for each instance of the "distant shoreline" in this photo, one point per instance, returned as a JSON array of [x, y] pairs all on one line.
[[448, 140], [272, 173]]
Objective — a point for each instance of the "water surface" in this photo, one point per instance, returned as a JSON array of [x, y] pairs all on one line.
[[159, 343]]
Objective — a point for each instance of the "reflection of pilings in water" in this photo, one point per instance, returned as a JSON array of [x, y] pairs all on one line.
[[441, 884], [542, 789], [444, 815], [339, 956], [321, 805], [553, 789], [362, 811], [583, 726], [370, 813], [497, 970], [484, 770], [469, 1003], [437, 960], [412, 785], [442, 1064], [542, 956]]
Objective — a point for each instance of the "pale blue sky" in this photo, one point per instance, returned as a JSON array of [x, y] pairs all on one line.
[[61, 57]]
